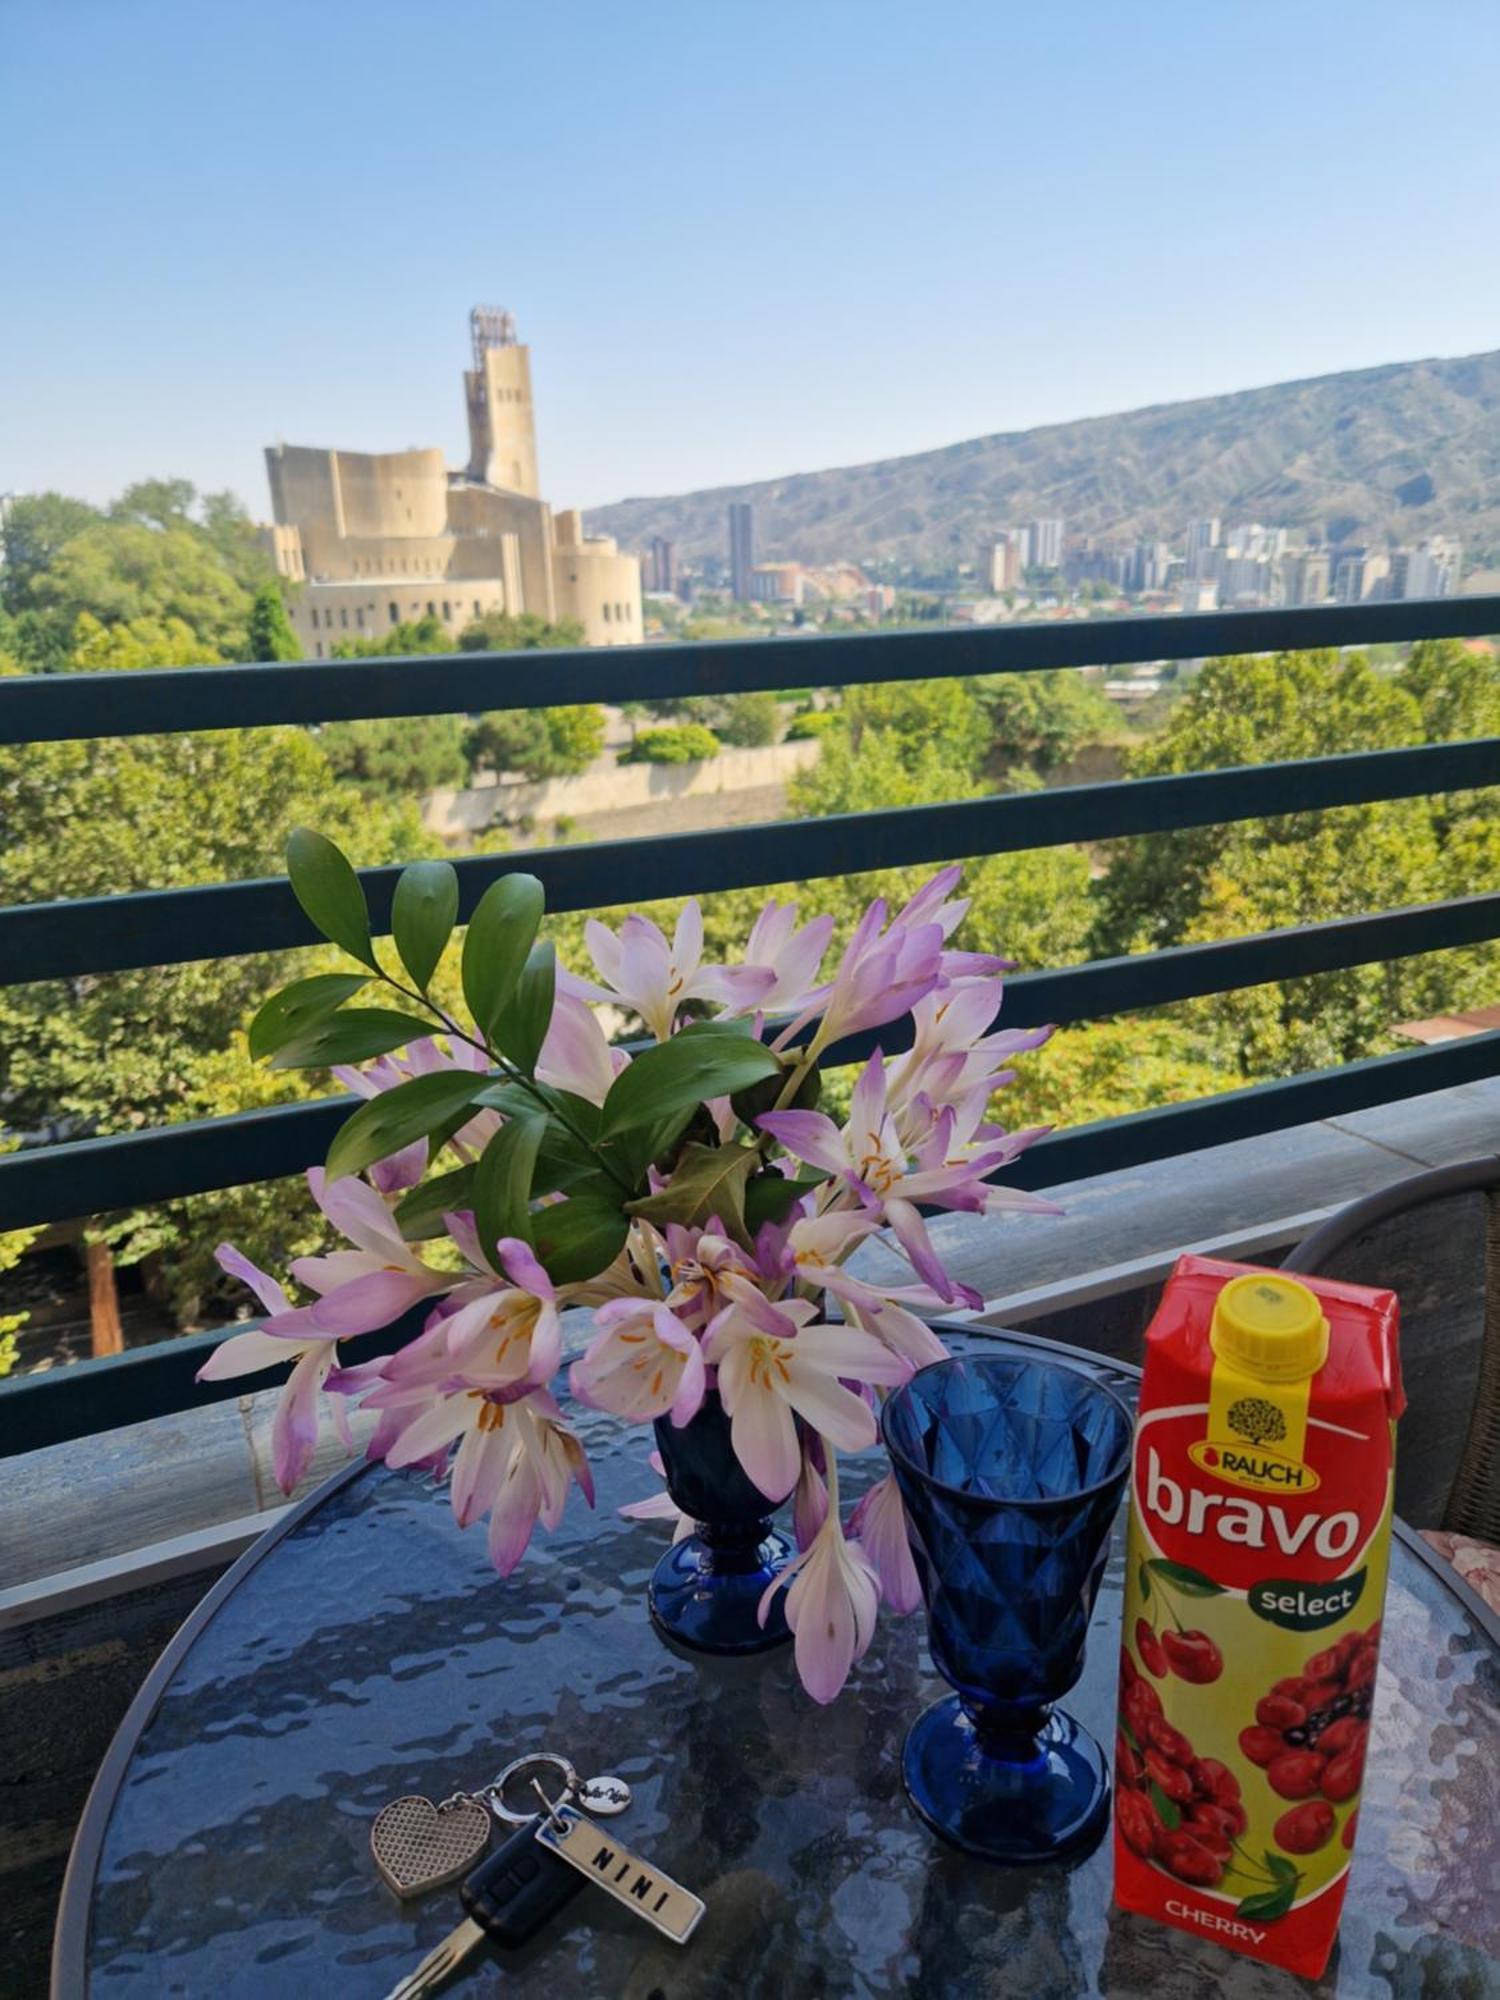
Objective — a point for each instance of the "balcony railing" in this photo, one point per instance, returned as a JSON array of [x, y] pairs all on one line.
[[90, 936]]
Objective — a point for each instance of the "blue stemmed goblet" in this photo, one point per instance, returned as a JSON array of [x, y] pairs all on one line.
[[1011, 1472]]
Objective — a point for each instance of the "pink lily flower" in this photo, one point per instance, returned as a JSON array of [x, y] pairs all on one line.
[[653, 977], [832, 1598], [773, 1367], [514, 1459], [868, 1154], [791, 956], [643, 1363], [366, 1287], [501, 1335], [885, 971], [576, 1054], [294, 1430], [810, 1495], [878, 1524], [951, 1053], [706, 1270]]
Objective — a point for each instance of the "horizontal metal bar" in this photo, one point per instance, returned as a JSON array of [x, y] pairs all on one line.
[[59, 1404], [1085, 1151], [62, 1404], [92, 1176], [48, 708], [66, 940]]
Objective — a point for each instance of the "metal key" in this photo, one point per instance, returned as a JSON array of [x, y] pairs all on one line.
[[508, 1898], [537, 1873]]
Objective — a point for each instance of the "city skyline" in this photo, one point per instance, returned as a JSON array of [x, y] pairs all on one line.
[[182, 283]]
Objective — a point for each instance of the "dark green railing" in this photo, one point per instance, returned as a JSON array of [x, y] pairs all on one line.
[[173, 926]]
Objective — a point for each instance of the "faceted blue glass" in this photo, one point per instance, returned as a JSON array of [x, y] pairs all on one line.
[[1011, 1471], [706, 1590]]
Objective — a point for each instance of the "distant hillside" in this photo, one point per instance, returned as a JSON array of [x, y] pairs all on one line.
[[1394, 452]]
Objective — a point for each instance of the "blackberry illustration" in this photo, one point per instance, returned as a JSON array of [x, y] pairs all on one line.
[[1253, 1417]]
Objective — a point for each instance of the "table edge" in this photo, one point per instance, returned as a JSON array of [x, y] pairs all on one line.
[[71, 1928]]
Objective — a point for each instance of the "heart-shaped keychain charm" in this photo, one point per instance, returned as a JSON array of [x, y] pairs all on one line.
[[418, 1846]]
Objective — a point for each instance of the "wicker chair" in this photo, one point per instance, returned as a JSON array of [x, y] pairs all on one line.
[[1384, 1239]]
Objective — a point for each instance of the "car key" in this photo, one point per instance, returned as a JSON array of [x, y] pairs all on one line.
[[537, 1873], [508, 1899]]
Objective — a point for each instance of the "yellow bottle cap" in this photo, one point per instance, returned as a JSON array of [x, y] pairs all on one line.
[[1269, 1326]]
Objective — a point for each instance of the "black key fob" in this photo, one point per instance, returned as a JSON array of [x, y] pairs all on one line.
[[519, 1888]]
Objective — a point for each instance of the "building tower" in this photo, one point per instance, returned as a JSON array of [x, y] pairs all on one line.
[[741, 549], [502, 417]]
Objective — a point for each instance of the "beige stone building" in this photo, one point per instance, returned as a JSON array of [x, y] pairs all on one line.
[[379, 539]]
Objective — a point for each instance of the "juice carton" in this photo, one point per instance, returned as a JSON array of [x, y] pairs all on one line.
[[1260, 1523]]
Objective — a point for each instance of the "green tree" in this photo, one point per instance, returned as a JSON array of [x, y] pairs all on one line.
[[750, 720], [135, 1049], [1202, 884], [680, 743], [270, 635], [37, 526], [400, 757], [538, 742], [422, 635], [121, 569], [158, 503], [1042, 720], [505, 632]]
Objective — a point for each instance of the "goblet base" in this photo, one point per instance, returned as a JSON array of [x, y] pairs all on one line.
[[1045, 1798], [707, 1598]]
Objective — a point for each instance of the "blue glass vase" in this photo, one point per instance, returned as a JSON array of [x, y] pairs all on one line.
[[706, 1590], [1011, 1472]]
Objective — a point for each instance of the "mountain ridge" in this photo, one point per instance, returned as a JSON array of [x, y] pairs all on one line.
[[1391, 452]]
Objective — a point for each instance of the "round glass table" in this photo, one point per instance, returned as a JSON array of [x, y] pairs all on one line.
[[364, 1649]]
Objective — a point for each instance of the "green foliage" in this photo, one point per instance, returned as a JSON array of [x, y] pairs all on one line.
[[497, 945], [1043, 719], [270, 635], [501, 632], [680, 743], [813, 723], [37, 527], [421, 635], [538, 742], [920, 721], [1106, 1069], [398, 757], [383, 1125], [750, 720], [1206, 883], [144, 1048], [118, 571], [423, 912]]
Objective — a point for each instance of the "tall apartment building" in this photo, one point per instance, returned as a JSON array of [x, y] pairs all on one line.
[[1305, 576], [661, 565], [1430, 570], [741, 549], [1003, 561], [1360, 574], [379, 539], [1047, 544], [1202, 547]]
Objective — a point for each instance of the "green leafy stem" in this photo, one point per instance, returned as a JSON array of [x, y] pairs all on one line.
[[596, 1157]]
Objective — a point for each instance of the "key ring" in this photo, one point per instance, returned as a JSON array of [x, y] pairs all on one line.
[[495, 1792]]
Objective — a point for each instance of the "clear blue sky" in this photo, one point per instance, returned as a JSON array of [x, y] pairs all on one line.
[[742, 239]]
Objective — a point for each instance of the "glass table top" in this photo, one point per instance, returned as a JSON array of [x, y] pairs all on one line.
[[372, 1652]]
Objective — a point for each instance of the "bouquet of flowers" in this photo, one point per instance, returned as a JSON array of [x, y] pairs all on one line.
[[509, 1165]]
